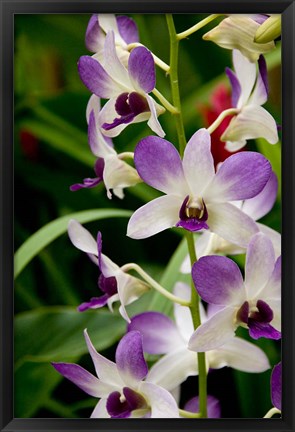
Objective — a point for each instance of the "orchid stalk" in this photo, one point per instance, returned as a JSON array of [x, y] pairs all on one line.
[[194, 308]]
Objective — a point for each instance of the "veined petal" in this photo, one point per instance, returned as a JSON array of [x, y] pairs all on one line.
[[159, 165], [246, 74], [213, 406], [218, 280], [83, 379], [94, 37], [237, 32], [198, 162], [118, 174], [162, 403], [81, 237], [113, 65], [159, 332], [105, 369], [241, 176], [262, 203], [129, 359], [260, 261], [276, 386], [141, 67], [127, 29], [174, 368], [97, 142], [274, 236], [215, 332], [153, 121], [100, 411], [260, 92], [231, 223], [154, 217], [251, 123], [96, 79], [239, 354]]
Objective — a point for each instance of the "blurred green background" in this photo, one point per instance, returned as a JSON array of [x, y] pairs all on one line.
[[52, 153]]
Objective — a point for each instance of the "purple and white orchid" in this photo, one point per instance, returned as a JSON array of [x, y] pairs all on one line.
[[109, 168], [276, 386], [254, 304], [116, 285], [238, 32], [209, 243], [120, 386], [125, 32], [126, 88], [213, 406], [162, 336], [197, 197], [249, 92]]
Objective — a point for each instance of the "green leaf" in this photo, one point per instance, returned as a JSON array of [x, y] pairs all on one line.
[[45, 235], [56, 333]]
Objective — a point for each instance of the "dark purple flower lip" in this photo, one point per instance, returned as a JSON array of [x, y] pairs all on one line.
[[91, 182], [193, 216], [128, 106], [258, 320], [121, 406]]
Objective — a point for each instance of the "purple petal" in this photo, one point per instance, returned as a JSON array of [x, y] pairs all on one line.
[[235, 85], [241, 176], [260, 205], [108, 285], [127, 29], [259, 18], [94, 37], [213, 406], [87, 183], [141, 67], [258, 330], [263, 72], [192, 218], [94, 303], [276, 386], [129, 358], [159, 165], [118, 409], [99, 249], [159, 332], [81, 377], [218, 280], [95, 78]]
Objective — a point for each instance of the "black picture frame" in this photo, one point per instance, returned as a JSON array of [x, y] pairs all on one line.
[[8, 9]]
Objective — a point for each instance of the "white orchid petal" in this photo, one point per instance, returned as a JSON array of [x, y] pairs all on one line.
[[81, 238]]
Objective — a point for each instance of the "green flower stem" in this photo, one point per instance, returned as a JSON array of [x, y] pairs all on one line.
[[195, 301], [189, 414], [164, 102], [221, 117], [174, 43], [196, 317], [154, 284], [157, 60], [197, 27], [272, 412]]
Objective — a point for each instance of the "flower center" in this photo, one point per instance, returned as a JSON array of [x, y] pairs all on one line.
[[121, 405], [193, 214], [128, 106]]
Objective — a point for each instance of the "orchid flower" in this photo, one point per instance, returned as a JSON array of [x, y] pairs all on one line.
[[254, 304], [213, 406], [276, 386], [209, 243], [238, 32], [197, 197], [162, 336], [116, 285], [126, 88], [109, 168], [120, 386], [125, 32], [249, 92]]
